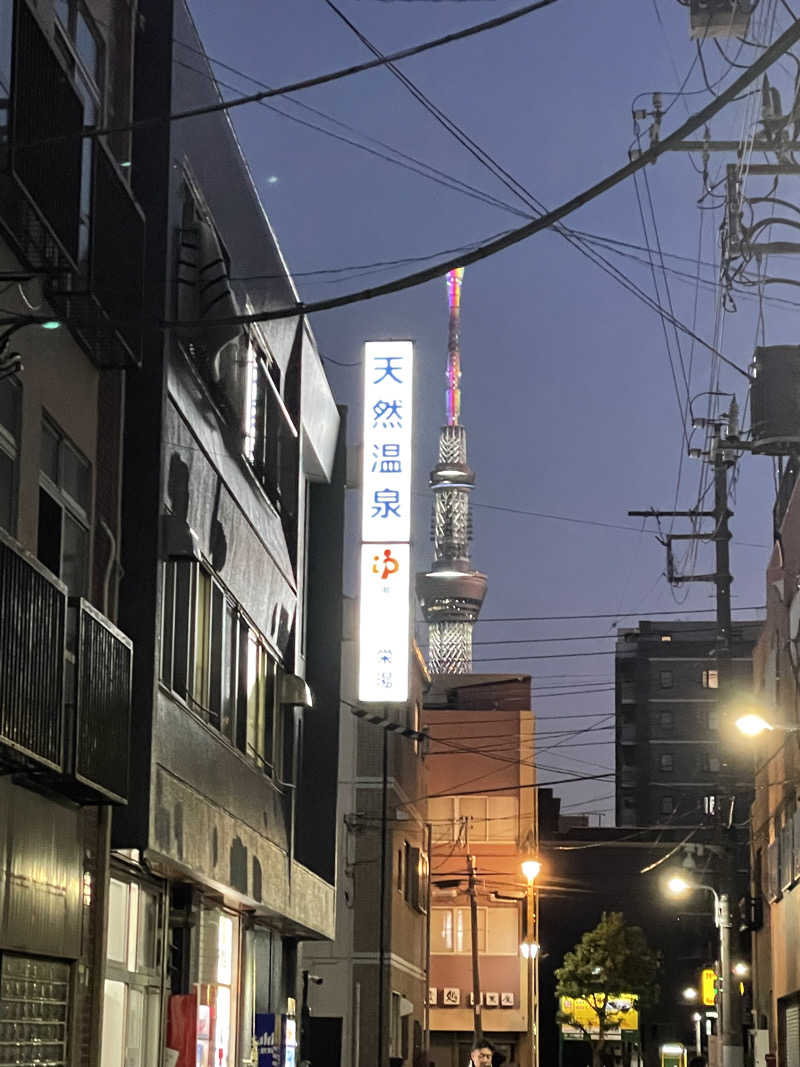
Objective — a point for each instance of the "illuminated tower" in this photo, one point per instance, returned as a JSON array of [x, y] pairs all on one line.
[[451, 592]]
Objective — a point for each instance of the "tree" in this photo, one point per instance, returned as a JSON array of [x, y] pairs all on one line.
[[612, 959]]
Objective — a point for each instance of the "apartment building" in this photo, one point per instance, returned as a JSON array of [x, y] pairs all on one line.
[[672, 754], [68, 340], [224, 859], [481, 803]]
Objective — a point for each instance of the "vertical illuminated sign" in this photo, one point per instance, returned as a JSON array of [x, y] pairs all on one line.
[[384, 632]]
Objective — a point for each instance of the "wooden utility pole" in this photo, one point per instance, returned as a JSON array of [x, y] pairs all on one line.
[[721, 454], [477, 1024]]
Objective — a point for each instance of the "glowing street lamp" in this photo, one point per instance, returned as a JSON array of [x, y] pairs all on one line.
[[531, 868], [690, 993], [753, 725], [731, 1049], [677, 885], [530, 948]]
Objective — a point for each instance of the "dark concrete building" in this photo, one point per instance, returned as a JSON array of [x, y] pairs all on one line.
[[671, 751], [224, 858], [775, 814], [71, 258]]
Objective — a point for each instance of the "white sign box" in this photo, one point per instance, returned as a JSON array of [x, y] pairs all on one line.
[[388, 411], [384, 630], [385, 623]]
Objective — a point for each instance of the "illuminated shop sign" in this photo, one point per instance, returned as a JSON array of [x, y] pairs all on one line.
[[386, 522]]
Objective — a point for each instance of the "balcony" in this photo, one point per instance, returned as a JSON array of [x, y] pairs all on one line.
[[64, 715], [33, 610], [41, 162], [101, 713]]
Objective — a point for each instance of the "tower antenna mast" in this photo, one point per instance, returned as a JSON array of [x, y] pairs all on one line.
[[451, 592]]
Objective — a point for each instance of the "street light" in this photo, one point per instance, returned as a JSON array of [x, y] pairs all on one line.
[[697, 1019], [690, 993], [530, 948], [732, 1053], [752, 725], [741, 969], [530, 868]]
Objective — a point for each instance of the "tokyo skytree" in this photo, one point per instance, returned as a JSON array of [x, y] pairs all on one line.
[[451, 592]]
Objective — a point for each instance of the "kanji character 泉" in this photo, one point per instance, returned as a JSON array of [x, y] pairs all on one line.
[[385, 503]]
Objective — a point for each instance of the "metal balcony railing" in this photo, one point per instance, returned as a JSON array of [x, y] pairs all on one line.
[[33, 606], [64, 712], [102, 719]]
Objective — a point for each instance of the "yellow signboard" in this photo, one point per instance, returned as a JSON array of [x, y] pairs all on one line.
[[708, 986], [581, 1015]]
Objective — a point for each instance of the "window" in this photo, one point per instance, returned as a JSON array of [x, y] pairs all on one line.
[[667, 805], [710, 679], [270, 437], [220, 665], [132, 992], [711, 763], [712, 719], [10, 406], [6, 35], [81, 47], [415, 888], [498, 931], [401, 868], [665, 762], [218, 969], [666, 637], [489, 819], [666, 721], [665, 679], [65, 500]]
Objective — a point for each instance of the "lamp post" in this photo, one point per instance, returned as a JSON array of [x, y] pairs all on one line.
[[697, 1019], [530, 949], [732, 1052]]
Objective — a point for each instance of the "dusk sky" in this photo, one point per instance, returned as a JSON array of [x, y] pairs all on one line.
[[569, 399]]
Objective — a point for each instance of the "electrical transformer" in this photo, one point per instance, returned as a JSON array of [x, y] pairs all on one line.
[[775, 400], [719, 18]]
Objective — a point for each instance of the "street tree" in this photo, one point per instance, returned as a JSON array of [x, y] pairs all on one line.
[[611, 960]]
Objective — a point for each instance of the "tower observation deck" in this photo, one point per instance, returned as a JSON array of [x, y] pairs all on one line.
[[451, 592]]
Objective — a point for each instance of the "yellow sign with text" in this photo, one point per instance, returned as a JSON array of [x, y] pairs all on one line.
[[708, 986], [580, 1015]]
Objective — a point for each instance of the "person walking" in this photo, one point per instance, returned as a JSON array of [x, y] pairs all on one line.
[[481, 1054]]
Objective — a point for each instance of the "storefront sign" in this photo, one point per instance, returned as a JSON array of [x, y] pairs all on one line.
[[384, 634]]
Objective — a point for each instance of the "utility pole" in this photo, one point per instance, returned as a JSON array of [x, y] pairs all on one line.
[[477, 1024], [721, 454]]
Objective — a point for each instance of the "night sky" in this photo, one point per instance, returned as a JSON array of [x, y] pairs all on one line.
[[569, 399]]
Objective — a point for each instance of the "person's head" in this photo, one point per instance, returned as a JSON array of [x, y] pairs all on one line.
[[481, 1055]]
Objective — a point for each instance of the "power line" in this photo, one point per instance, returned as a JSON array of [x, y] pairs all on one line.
[[643, 614], [490, 248], [320, 79]]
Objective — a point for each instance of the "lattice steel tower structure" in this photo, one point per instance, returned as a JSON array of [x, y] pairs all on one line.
[[451, 592]]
